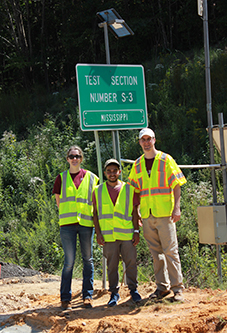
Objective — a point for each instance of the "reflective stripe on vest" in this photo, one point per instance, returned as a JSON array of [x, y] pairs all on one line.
[[64, 198], [134, 184], [125, 231], [161, 169], [63, 216], [138, 165], [179, 175], [83, 216], [101, 215], [107, 232], [126, 216]]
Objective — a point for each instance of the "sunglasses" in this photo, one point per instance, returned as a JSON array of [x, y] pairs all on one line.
[[74, 156]]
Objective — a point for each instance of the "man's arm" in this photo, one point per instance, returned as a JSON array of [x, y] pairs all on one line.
[[135, 221], [176, 214], [57, 197], [140, 221], [132, 179], [100, 239]]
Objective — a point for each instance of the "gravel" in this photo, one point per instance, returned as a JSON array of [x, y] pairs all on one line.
[[9, 270]]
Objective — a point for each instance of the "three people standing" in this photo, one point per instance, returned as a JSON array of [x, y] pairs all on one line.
[[113, 208]]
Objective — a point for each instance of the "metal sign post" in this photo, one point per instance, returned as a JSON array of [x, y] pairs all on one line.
[[115, 143], [115, 134], [202, 9], [208, 94], [223, 156]]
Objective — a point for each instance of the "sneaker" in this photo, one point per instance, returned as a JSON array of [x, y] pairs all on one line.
[[88, 303], [66, 305], [178, 296], [135, 296], [114, 298], [158, 294]]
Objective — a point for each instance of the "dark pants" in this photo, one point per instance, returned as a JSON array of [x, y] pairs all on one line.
[[112, 251], [69, 238]]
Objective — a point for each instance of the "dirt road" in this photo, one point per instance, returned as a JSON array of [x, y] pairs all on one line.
[[35, 301]]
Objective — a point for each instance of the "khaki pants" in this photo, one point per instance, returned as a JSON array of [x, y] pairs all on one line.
[[161, 237], [112, 252]]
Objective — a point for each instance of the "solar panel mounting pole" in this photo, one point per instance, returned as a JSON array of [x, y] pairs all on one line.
[[210, 119], [203, 11], [119, 28], [115, 134]]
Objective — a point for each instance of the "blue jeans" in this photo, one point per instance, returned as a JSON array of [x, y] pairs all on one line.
[[69, 239]]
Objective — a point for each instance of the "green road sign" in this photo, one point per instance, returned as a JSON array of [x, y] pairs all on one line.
[[111, 97]]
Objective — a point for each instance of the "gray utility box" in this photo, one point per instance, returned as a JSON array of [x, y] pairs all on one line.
[[212, 224]]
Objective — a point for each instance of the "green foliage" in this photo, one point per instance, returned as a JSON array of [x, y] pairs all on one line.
[[28, 213], [29, 232], [44, 40], [98, 260], [198, 261], [33, 148], [176, 98], [144, 261], [19, 111]]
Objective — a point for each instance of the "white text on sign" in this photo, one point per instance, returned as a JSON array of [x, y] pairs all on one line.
[[103, 97], [118, 97], [124, 80], [114, 117], [118, 80]]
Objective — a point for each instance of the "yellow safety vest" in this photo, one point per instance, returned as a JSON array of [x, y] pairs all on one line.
[[115, 220], [76, 204], [156, 191]]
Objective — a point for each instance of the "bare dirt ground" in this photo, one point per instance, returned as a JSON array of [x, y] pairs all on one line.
[[34, 301]]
